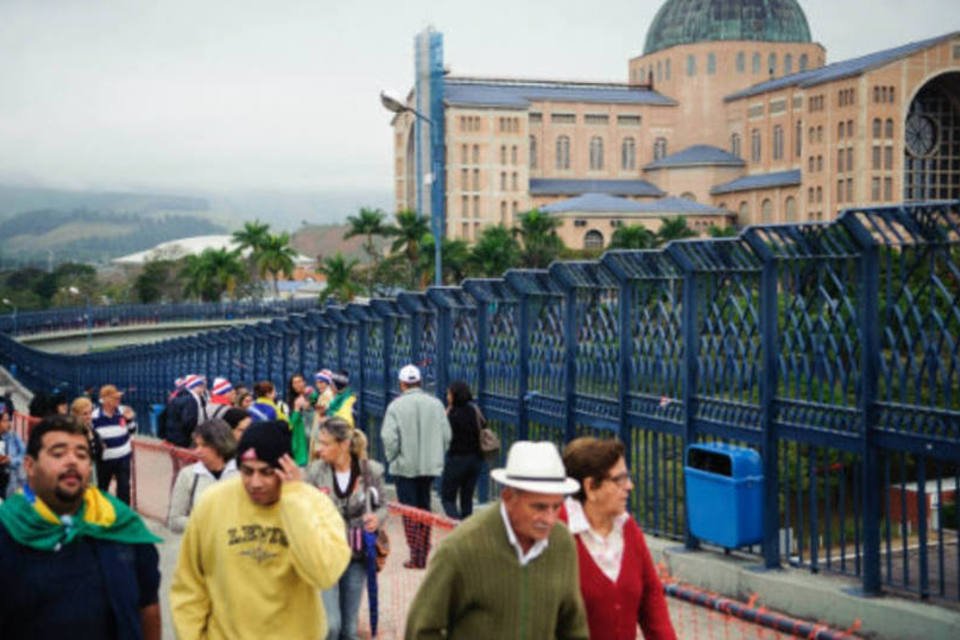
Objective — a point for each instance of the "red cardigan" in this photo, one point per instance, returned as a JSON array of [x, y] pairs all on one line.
[[613, 610]]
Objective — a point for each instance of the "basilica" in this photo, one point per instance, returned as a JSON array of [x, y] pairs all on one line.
[[731, 116]]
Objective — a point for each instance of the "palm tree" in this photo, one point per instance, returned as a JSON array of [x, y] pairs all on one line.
[[633, 236], [276, 256], [496, 251], [252, 237], [456, 256], [722, 232], [674, 229], [213, 273], [538, 233], [341, 279], [409, 233], [369, 223]]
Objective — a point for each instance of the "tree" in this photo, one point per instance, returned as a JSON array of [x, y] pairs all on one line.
[[722, 232], [456, 258], [409, 233], [495, 251], [633, 236], [252, 238], [538, 234], [674, 229], [213, 273], [154, 282], [276, 256], [341, 278], [369, 223]]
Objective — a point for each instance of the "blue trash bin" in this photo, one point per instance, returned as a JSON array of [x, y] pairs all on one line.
[[724, 485], [155, 411]]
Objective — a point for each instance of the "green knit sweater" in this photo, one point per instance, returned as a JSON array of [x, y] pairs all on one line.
[[476, 588]]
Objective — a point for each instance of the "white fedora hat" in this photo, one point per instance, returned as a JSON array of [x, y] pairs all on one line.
[[536, 467]]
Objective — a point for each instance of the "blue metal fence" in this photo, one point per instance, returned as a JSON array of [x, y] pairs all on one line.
[[830, 348]]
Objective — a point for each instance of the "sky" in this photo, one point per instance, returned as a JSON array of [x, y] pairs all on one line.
[[182, 95]]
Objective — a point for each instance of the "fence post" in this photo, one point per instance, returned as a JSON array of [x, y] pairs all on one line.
[[523, 422], [768, 392], [626, 344], [570, 361]]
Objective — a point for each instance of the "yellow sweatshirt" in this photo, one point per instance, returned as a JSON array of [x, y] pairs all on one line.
[[247, 571]]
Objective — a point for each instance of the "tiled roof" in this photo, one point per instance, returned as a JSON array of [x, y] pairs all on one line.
[[468, 92], [698, 154], [564, 187], [839, 70], [603, 203], [759, 181]]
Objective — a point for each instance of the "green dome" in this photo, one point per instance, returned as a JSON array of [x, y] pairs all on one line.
[[688, 21]]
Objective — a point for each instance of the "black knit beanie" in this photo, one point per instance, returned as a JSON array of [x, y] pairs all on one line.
[[265, 441]]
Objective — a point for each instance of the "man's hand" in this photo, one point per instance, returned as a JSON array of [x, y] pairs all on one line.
[[370, 522], [289, 471]]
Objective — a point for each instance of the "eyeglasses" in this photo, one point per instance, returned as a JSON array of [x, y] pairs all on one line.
[[621, 479]]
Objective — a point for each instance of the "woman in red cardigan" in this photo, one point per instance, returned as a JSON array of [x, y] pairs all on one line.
[[618, 580]]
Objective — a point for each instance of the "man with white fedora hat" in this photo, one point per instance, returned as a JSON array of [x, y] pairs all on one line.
[[509, 571]]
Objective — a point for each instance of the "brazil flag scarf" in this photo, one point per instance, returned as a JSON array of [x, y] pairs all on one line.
[[33, 524]]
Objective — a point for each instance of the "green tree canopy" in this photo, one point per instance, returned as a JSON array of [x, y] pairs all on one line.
[[674, 229], [340, 273], [496, 251], [538, 235], [276, 256], [409, 233], [369, 223], [212, 274], [633, 236]]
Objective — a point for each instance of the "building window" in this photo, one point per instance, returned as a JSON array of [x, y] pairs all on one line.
[[503, 212], [514, 209], [596, 118], [743, 213], [666, 69], [803, 62], [766, 211], [849, 189], [888, 189], [798, 140], [596, 153], [772, 64], [888, 129], [875, 165], [476, 179], [888, 158], [819, 163], [563, 118], [465, 206], [476, 206], [790, 209], [778, 142], [476, 154], [810, 164], [659, 148], [691, 65], [851, 132], [787, 64], [875, 189], [735, 144], [513, 154], [503, 154], [755, 148], [849, 158], [877, 127], [464, 179], [628, 154], [536, 117], [841, 129], [741, 62], [711, 63], [813, 135], [820, 133], [819, 194], [503, 181], [533, 152], [593, 239], [840, 160], [628, 120], [563, 152], [464, 154], [513, 181], [756, 62], [659, 71]]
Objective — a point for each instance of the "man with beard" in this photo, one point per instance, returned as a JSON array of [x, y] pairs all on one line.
[[74, 562]]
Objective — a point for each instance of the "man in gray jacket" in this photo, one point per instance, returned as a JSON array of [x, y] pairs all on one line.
[[415, 436]]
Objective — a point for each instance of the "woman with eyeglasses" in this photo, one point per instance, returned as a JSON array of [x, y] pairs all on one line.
[[618, 580]]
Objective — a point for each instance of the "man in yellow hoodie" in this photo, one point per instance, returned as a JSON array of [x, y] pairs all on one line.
[[257, 549]]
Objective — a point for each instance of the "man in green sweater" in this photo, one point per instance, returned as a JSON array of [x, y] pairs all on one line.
[[510, 571]]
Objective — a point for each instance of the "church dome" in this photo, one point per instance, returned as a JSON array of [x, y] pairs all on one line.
[[688, 21]]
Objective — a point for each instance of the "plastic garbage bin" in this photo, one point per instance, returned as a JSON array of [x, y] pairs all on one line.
[[155, 411], [724, 485]]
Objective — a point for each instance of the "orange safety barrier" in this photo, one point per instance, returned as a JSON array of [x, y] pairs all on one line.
[[153, 471], [22, 423]]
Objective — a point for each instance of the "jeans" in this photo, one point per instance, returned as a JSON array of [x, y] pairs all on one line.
[[342, 602], [120, 469], [416, 493], [459, 478]]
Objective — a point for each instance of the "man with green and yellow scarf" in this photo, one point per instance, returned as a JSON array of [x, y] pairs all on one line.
[[74, 562]]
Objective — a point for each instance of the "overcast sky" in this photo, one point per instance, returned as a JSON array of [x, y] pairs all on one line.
[[282, 94]]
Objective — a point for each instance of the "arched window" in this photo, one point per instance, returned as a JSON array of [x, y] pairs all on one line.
[[687, 195], [503, 212], [743, 214], [659, 71], [691, 65], [735, 144], [596, 153], [659, 148], [756, 62], [756, 150], [766, 211], [711, 63], [741, 62], [803, 62], [778, 142], [787, 64], [888, 128], [798, 140], [841, 128], [877, 127], [593, 239], [533, 152], [666, 69], [772, 64], [790, 209], [563, 152], [628, 154]]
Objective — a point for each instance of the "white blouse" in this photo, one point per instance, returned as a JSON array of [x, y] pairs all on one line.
[[606, 551]]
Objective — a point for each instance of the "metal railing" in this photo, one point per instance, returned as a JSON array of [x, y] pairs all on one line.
[[830, 348]]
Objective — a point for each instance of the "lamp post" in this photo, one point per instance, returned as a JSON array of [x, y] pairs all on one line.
[[392, 104], [89, 317], [7, 302]]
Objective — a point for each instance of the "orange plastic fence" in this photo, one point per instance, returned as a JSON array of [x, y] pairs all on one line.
[[155, 467], [22, 423]]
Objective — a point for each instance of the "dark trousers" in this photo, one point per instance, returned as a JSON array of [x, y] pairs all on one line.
[[107, 470], [416, 493], [459, 480]]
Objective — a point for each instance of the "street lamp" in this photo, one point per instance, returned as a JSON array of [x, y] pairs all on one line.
[[89, 315], [392, 104], [7, 302]]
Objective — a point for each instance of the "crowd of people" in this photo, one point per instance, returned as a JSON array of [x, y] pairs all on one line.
[[282, 505]]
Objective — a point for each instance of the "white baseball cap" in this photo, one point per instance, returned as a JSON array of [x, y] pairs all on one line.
[[409, 374]]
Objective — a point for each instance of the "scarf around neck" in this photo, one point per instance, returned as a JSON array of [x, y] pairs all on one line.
[[33, 524], [338, 400]]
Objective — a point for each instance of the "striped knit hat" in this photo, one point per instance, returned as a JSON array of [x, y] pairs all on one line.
[[221, 386], [193, 381], [324, 375]]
